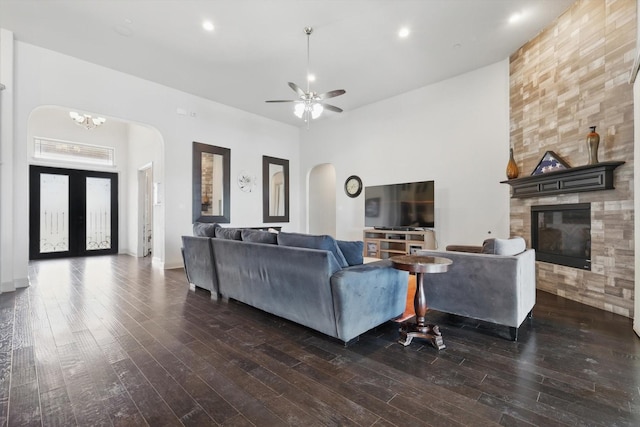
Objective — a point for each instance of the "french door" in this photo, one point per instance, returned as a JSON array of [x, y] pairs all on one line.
[[72, 212]]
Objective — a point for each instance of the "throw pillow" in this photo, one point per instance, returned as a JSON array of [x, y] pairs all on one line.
[[352, 251], [511, 246], [229, 233], [259, 236], [205, 229], [311, 241]]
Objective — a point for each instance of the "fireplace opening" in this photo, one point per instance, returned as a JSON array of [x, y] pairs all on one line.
[[561, 234]]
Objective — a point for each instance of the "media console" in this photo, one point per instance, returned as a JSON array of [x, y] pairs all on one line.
[[384, 244]]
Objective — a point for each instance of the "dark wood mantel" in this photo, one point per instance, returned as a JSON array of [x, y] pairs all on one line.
[[573, 180]]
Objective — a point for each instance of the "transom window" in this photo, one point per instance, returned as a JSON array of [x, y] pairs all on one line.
[[51, 149]]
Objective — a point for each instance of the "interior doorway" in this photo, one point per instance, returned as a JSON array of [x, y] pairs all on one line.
[[322, 200], [72, 212], [145, 210]]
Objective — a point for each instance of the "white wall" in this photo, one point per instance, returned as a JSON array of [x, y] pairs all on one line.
[[10, 276], [455, 132], [45, 77]]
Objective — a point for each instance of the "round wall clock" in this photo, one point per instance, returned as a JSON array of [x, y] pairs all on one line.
[[353, 186], [246, 182]]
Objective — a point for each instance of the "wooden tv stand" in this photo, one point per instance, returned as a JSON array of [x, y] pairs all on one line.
[[387, 243]]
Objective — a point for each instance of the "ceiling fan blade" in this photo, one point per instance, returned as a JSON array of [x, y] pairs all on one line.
[[280, 100], [296, 89], [331, 94], [331, 107]]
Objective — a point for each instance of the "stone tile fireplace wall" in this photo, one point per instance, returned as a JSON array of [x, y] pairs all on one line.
[[573, 75]]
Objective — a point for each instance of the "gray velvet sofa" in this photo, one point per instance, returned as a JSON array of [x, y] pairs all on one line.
[[323, 288], [495, 284]]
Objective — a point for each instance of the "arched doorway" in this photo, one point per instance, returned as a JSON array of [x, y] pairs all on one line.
[[322, 200], [136, 146]]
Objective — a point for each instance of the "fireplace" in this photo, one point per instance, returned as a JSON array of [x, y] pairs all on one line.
[[561, 234]]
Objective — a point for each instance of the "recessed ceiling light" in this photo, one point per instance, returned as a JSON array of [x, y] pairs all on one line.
[[208, 25], [404, 32]]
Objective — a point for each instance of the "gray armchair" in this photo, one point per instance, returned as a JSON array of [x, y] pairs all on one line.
[[495, 288]]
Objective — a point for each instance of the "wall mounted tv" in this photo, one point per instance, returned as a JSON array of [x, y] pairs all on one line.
[[400, 206]]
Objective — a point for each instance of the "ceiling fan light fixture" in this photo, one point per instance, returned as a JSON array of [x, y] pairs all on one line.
[[310, 105], [298, 110], [316, 111]]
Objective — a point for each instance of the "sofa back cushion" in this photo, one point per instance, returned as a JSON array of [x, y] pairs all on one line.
[[229, 233], [352, 251], [512, 246], [259, 236], [310, 241], [205, 229]]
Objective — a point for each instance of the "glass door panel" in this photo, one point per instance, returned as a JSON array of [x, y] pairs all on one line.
[[98, 213], [54, 213], [72, 212]]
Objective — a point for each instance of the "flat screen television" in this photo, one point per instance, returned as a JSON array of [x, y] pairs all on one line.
[[400, 206]]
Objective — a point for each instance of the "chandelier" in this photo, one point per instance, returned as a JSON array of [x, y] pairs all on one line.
[[86, 121]]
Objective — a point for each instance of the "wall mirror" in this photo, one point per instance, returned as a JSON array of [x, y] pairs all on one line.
[[275, 189], [211, 183]]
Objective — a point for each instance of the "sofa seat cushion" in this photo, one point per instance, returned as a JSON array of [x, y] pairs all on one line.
[[205, 229], [507, 247], [310, 241], [352, 251], [259, 236], [229, 233]]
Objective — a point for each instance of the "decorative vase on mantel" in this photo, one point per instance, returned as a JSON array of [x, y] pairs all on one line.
[[593, 141], [512, 167]]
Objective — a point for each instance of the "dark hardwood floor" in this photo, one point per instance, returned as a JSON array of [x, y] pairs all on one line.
[[112, 341]]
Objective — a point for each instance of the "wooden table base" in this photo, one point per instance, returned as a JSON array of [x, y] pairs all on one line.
[[408, 331], [421, 265]]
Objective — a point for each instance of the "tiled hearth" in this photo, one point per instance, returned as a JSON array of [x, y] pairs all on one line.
[[573, 75]]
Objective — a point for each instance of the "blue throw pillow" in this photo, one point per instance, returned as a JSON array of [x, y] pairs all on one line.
[[352, 251], [310, 241], [229, 233], [259, 236], [205, 229]]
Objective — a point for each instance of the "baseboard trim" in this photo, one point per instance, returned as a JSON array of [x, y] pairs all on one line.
[[173, 266], [14, 284]]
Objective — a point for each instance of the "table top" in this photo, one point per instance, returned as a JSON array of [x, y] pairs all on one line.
[[421, 263]]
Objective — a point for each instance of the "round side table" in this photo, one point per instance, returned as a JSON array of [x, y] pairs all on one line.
[[421, 265]]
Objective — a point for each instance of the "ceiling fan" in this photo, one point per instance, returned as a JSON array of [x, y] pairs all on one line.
[[310, 105]]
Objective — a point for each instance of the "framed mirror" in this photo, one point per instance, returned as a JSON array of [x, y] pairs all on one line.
[[275, 189], [211, 183]]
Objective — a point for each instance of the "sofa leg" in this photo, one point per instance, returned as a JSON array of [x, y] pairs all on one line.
[[513, 333], [192, 287], [530, 315], [214, 296], [351, 341]]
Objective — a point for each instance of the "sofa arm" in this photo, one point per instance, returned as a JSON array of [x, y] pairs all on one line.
[[364, 296], [198, 263]]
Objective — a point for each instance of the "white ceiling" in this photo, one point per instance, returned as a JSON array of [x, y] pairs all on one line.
[[259, 45]]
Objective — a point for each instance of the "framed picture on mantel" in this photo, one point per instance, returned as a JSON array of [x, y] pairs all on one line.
[[550, 162]]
